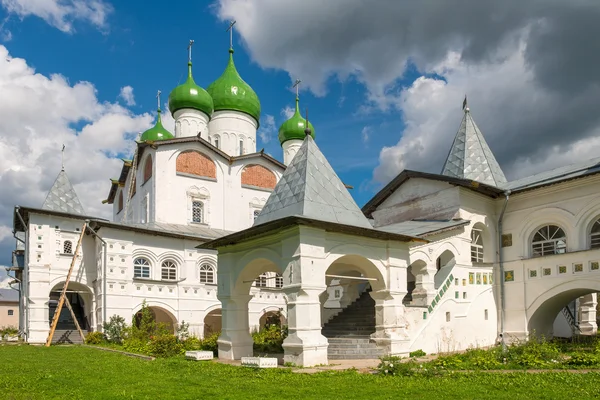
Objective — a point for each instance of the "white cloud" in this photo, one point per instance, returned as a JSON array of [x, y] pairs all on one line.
[[267, 128], [62, 13], [37, 115], [365, 133], [287, 112], [127, 95]]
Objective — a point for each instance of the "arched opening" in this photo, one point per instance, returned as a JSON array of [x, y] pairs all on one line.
[[272, 318], [444, 264], [212, 322], [411, 284], [161, 317], [568, 312], [595, 235], [548, 240], [80, 297], [347, 306]]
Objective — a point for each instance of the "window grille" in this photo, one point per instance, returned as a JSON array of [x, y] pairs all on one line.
[[549, 240], [169, 271], [279, 281], [261, 281], [595, 235], [197, 211], [141, 268], [476, 246], [68, 247], [207, 274], [256, 214]]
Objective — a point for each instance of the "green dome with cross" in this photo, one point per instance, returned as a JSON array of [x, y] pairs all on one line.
[[157, 132], [294, 128], [231, 92], [190, 95]]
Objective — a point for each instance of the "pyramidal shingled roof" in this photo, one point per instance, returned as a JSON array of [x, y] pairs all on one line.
[[470, 156], [62, 196], [310, 188]]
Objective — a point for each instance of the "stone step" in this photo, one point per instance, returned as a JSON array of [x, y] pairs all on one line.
[[352, 357], [342, 333], [365, 352], [66, 336], [352, 346], [349, 340]]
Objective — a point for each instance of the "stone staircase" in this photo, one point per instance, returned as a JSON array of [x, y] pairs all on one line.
[[66, 336], [349, 332]]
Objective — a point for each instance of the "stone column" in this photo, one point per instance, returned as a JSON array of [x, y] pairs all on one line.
[[305, 345], [424, 291], [587, 314], [235, 341], [390, 324]]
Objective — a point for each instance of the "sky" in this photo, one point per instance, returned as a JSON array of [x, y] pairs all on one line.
[[383, 80]]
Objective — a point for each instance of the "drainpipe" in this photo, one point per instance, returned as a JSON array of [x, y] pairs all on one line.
[[104, 263], [501, 268], [24, 292]]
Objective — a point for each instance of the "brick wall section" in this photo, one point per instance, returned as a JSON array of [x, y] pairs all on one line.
[[257, 175], [194, 163], [148, 168]]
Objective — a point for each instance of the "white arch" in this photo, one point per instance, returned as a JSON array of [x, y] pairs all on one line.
[[172, 256], [445, 246], [145, 253], [547, 216], [159, 304]]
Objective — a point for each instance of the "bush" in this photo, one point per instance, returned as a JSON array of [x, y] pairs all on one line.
[[535, 353], [191, 343], [270, 339], [584, 359], [482, 359], [94, 338], [136, 345], [448, 362], [8, 331], [183, 331], [417, 353], [164, 346], [209, 343], [391, 365], [115, 329]]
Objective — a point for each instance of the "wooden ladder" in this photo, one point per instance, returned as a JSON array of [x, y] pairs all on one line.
[[63, 295]]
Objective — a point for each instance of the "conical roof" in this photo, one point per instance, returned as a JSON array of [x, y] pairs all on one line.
[[310, 188], [230, 92], [62, 196], [470, 156], [294, 127], [190, 95], [157, 132]]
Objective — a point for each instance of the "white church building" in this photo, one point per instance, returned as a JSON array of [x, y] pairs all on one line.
[[209, 231]]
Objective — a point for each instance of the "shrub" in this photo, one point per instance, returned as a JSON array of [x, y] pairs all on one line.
[[94, 338], [183, 331], [417, 353], [535, 353], [448, 362], [391, 365], [270, 339], [136, 345], [8, 331], [482, 359], [192, 343], [209, 343], [164, 346], [115, 329], [583, 359]]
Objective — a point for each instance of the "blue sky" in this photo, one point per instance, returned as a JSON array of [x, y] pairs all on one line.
[[384, 84]]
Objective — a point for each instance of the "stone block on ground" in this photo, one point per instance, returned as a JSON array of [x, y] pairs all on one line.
[[199, 355]]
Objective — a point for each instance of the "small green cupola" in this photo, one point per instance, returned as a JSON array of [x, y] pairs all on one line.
[[157, 132], [294, 128], [190, 95], [230, 92]]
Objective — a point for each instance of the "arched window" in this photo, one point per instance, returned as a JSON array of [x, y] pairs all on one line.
[[148, 168], [476, 246], [141, 268], [68, 247], [168, 271], [241, 147], [595, 235], [278, 281], [548, 240], [256, 214], [197, 211], [120, 204], [207, 274], [216, 142]]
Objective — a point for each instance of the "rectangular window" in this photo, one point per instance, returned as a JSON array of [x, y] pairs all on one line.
[[197, 212], [241, 147], [485, 314], [261, 281], [447, 317], [11, 312], [279, 282], [141, 271]]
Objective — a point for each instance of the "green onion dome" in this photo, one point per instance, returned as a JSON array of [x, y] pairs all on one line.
[[190, 95], [294, 128], [157, 132], [230, 92]]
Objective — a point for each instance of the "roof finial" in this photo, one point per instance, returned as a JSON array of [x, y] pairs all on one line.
[[307, 130], [190, 50], [297, 87], [62, 158], [158, 99], [230, 30], [465, 104]]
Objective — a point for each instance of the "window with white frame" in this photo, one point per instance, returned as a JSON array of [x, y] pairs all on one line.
[[548, 240], [141, 268], [255, 214], [261, 281], [168, 271], [197, 211], [216, 142], [476, 246], [278, 281], [595, 235], [67, 247], [241, 147], [207, 273]]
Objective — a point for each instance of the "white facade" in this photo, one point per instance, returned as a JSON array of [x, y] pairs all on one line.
[[233, 132], [190, 122]]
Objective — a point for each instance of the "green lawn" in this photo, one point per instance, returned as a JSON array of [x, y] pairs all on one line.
[[85, 373]]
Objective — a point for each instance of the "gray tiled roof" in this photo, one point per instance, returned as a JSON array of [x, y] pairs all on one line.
[[62, 196], [310, 188], [470, 156], [422, 227], [9, 295], [199, 231]]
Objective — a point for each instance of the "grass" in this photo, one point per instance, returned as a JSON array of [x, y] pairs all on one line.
[[85, 373]]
